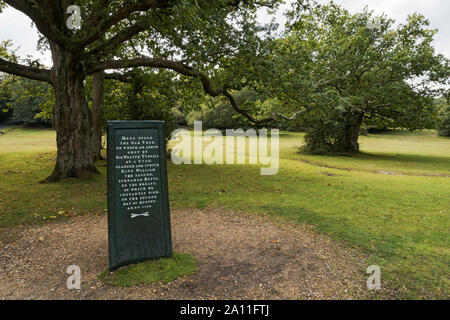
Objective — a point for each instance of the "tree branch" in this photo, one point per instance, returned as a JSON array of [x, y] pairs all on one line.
[[117, 40], [184, 70], [44, 24], [103, 25], [236, 108], [25, 71], [119, 76]]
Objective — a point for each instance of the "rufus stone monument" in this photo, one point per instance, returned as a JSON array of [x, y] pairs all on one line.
[[138, 201]]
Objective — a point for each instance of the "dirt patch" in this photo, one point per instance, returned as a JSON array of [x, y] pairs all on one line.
[[239, 257], [329, 174]]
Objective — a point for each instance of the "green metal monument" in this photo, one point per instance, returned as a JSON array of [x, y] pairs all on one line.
[[138, 201]]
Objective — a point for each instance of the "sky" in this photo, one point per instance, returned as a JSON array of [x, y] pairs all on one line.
[[17, 27], [437, 11]]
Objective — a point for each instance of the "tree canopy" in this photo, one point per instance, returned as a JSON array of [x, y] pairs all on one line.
[[195, 38], [337, 70], [331, 71]]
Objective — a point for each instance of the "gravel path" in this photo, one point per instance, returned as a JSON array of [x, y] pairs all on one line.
[[239, 256]]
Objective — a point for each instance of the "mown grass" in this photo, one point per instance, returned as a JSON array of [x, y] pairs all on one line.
[[163, 270], [401, 221], [416, 153]]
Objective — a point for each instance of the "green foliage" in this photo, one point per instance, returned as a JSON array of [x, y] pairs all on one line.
[[337, 62], [218, 113], [443, 125], [323, 139], [25, 99], [150, 96], [220, 116], [6, 109], [162, 270], [6, 50], [178, 116]]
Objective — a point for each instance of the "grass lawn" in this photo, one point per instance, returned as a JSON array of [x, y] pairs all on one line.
[[401, 221], [162, 270]]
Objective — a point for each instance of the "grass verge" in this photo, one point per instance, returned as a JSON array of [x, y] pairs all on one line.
[[163, 270], [400, 221]]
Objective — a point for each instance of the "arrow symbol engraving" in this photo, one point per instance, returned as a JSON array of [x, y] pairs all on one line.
[[134, 215]]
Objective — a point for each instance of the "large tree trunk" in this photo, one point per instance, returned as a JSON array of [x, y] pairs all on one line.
[[97, 114], [349, 141], [71, 118]]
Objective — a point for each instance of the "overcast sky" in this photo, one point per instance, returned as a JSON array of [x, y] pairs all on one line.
[[17, 27], [437, 11]]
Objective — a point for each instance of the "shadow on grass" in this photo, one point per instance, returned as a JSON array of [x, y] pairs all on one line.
[[400, 163], [402, 158]]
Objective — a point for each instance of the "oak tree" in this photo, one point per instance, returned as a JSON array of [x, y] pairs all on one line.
[[337, 71], [190, 37]]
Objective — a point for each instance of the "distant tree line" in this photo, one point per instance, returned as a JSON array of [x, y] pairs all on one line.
[[443, 120]]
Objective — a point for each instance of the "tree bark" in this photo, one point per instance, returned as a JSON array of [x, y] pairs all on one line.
[[97, 114], [349, 141], [71, 118]]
